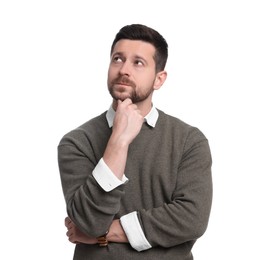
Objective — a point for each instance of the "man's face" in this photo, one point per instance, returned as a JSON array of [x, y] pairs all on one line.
[[131, 71]]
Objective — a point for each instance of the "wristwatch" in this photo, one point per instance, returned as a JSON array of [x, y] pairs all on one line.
[[102, 240]]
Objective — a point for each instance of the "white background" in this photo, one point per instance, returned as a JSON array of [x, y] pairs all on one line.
[[53, 66]]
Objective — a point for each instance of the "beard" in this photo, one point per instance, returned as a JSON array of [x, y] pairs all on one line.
[[122, 88]]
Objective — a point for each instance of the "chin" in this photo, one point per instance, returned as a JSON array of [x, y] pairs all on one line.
[[120, 96]]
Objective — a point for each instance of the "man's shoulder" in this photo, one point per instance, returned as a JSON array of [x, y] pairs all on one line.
[[95, 122], [87, 129], [179, 126], [172, 120]]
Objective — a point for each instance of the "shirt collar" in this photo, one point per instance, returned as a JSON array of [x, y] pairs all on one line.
[[151, 118]]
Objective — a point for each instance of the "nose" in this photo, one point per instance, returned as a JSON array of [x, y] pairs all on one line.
[[125, 68]]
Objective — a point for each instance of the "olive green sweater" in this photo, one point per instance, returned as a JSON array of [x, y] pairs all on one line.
[[170, 186]]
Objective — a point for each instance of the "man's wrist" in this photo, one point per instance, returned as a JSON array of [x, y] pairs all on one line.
[[102, 240], [116, 233]]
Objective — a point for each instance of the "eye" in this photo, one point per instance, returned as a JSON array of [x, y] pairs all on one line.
[[139, 63], [117, 59]]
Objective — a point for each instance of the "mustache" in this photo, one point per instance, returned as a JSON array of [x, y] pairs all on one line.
[[123, 80]]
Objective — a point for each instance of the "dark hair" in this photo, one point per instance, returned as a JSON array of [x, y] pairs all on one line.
[[146, 34]]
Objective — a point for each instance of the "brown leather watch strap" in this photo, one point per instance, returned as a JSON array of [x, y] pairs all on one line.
[[102, 240]]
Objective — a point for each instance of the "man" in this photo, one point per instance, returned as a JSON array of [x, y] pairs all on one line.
[[137, 182]]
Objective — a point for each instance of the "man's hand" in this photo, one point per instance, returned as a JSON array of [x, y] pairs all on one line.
[[76, 236], [127, 122], [126, 126]]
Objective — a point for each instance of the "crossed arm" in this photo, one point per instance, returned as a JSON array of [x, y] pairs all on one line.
[[115, 234]]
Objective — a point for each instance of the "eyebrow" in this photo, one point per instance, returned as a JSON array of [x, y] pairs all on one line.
[[117, 53], [136, 56]]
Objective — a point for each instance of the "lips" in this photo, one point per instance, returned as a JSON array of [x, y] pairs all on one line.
[[123, 81]]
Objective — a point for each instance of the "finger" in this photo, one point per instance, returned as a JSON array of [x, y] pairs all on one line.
[[70, 225], [67, 221], [69, 233], [73, 241], [71, 238], [127, 102]]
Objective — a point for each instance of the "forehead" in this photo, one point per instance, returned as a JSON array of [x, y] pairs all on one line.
[[134, 48]]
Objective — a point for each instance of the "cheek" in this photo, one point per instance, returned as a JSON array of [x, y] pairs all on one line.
[[147, 80], [112, 72], [110, 75]]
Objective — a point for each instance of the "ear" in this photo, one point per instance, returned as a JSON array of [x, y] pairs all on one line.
[[160, 79]]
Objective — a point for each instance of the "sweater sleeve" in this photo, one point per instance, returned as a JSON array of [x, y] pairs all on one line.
[[89, 206], [185, 218]]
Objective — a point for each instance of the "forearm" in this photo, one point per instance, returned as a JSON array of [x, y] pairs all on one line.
[[115, 156], [115, 234]]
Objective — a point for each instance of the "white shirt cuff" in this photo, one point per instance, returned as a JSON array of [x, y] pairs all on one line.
[[134, 232], [106, 178]]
